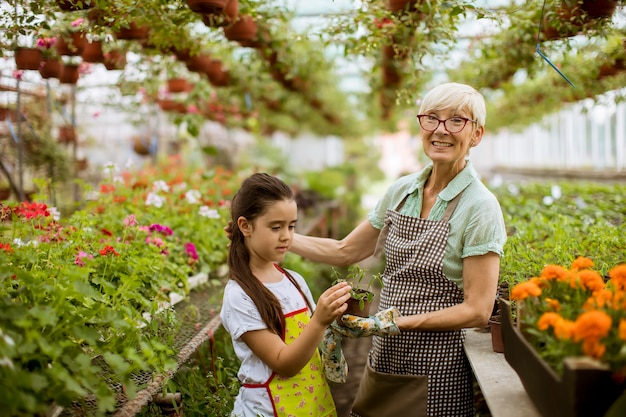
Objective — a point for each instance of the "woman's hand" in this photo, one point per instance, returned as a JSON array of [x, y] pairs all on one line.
[[332, 303]]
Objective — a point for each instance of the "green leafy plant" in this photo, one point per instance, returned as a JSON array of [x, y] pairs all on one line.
[[358, 277]]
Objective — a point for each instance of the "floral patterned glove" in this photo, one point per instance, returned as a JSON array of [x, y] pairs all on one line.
[[335, 365], [380, 324]]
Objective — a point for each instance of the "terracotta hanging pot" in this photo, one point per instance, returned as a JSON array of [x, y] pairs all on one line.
[[50, 68], [67, 134], [73, 45], [599, 8], [223, 18], [141, 145], [132, 32], [170, 105], [72, 5], [177, 85], [115, 60], [244, 31], [207, 6], [216, 73], [401, 5], [198, 63], [28, 58], [93, 52], [69, 74], [81, 164]]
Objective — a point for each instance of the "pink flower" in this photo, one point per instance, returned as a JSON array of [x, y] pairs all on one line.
[[130, 220], [18, 74], [79, 258], [76, 23]]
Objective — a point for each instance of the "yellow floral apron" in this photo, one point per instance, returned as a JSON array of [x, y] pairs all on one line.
[[307, 393]]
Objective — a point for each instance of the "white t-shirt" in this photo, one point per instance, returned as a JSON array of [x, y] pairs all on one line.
[[240, 315]]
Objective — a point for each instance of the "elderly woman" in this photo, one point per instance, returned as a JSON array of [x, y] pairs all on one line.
[[442, 232]]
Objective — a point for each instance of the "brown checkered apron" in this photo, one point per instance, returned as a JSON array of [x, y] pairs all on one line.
[[413, 282]]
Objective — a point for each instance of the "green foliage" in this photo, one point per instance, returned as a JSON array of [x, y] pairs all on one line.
[[554, 223]]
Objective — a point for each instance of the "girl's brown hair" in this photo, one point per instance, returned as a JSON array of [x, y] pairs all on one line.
[[257, 193]]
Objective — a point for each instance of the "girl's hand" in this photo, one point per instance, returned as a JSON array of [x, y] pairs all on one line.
[[332, 303]]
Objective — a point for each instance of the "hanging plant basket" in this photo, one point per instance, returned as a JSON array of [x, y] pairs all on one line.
[[223, 18], [69, 74], [198, 63], [599, 8], [141, 145], [216, 73], [50, 68], [243, 31], [401, 5], [93, 52], [177, 85], [5, 193], [73, 5], [115, 60], [170, 105], [28, 58], [207, 6], [74, 47], [67, 134], [133, 32], [81, 164]]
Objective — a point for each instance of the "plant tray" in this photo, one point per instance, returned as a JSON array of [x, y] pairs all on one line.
[[585, 389]]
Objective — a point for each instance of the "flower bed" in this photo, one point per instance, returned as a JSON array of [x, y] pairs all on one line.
[[76, 288]]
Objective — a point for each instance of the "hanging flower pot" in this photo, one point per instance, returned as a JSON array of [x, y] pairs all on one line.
[[132, 32], [599, 8], [198, 63], [170, 105], [177, 85], [207, 6], [115, 60], [401, 5], [69, 74], [81, 164], [141, 145], [28, 58], [72, 45], [244, 31], [93, 52], [223, 18], [67, 134], [50, 68], [72, 5], [216, 73]]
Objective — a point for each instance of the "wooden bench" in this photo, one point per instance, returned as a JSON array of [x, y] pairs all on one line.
[[503, 391]]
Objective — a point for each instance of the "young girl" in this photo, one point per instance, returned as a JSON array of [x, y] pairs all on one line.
[[267, 309]]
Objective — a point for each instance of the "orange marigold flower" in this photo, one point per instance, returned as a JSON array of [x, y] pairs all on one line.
[[554, 272], [592, 325], [599, 299], [593, 348], [618, 276], [524, 290], [547, 320], [622, 329], [582, 263], [541, 283], [553, 304], [591, 280], [564, 329]]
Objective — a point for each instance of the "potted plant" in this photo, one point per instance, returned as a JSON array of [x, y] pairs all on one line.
[[51, 63], [360, 297]]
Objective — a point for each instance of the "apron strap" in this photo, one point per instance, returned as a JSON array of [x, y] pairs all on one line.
[[382, 236]]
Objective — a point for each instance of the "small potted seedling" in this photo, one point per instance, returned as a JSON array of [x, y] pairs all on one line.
[[361, 298]]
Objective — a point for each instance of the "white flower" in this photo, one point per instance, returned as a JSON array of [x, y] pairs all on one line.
[[18, 242], [182, 186], [193, 196], [556, 192], [110, 168], [205, 211], [160, 185], [55, 213], [547, 200], [129, 163], [155, 200], [118, 179]]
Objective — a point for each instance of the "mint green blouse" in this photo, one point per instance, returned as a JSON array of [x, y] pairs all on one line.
[[476, 226]]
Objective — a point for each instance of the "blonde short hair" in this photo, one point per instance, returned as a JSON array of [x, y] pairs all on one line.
[[456, 97]]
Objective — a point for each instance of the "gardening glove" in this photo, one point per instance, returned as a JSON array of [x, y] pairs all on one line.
[[380, 324], [335, 365]]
